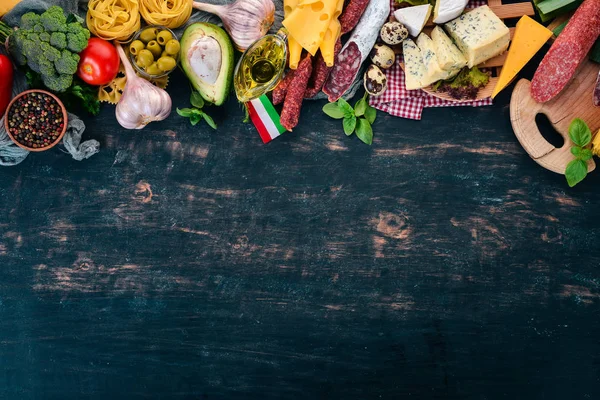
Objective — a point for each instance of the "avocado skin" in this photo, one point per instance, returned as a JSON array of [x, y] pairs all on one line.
[[217, 92]]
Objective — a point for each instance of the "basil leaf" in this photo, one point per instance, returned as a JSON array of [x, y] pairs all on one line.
[[585, 154], [576, 151], [370, 114], [209, 120], [576, 171], [349, 125], [345, 107], [333, 110], [195, 118], [579, 132], [197, 100], [185, 112], [364, 131], [360, 107]]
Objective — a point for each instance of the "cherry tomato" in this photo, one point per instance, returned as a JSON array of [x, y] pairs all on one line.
[[99, 62]]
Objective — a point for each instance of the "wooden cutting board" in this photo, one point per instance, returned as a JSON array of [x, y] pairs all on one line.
[[575, 101]]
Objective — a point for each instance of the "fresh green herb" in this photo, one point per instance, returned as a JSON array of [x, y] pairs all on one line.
[[416, 2], [357, 119], [195, 114], [581, 136], [465, 85]]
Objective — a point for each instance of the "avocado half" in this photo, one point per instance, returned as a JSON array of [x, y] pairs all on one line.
[[207, 58]]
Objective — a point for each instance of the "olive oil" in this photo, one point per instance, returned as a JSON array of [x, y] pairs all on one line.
[[261, 67]]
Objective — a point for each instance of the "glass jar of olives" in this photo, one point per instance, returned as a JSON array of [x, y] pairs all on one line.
[[154, 51]]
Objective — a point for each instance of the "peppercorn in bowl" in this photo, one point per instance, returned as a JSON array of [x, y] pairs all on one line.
[[36, 120]]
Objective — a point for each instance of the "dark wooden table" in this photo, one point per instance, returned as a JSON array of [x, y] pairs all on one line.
[[440, 263]]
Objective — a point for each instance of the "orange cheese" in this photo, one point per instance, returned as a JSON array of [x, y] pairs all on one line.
[[7, 5], [294, 48], [529, 38], [308, 22], [332, 35]]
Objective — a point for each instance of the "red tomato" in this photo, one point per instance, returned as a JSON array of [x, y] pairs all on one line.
[[99, 63]]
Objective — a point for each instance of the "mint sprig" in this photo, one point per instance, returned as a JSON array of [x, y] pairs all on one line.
[[581, 135], [357, 119], [196, 114]]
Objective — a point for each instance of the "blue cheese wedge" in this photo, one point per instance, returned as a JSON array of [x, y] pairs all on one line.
[[449, 56], [430, 60], [446, 10], [479, 34], [414, 70], [413, 18]]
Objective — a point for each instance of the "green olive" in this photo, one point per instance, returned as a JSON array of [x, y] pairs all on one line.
[[148, 34], [166, 64], [136, 46], [144, 58], [163, 37], [172, 47], [165, 54], [153, 69], [155, 48]]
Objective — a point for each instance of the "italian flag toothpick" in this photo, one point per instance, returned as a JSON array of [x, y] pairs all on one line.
[[265, 118]]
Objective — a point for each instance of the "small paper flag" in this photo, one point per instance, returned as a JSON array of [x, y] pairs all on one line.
[[265, 118]]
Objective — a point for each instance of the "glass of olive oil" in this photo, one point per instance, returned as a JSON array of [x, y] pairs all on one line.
[[261, 66]]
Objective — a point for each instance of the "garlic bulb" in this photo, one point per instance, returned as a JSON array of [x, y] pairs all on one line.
[[141, 101], [246, 21]]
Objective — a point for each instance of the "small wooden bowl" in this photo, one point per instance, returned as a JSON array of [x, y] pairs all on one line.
[[60, 136]]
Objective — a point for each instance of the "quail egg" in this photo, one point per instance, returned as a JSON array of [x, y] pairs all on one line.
[[382, 56], [375, 81], [393, 33]]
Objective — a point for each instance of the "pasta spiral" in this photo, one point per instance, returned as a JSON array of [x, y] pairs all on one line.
[[169, 13], [113, 19]]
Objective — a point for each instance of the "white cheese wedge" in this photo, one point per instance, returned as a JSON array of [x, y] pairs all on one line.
[[446, 10], [479, 34], [415, 73], [449, 56], [430, 59], [413, 18]]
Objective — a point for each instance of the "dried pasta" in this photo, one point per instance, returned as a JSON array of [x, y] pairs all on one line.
[[113, 19], [169, 13]]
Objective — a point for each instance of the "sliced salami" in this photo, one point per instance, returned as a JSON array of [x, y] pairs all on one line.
[[356, 49], [282, 87], [351, 14], [568, 51], [320, 73], [295, 94]]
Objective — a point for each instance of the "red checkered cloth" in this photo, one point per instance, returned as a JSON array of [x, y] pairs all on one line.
[[400, 102]]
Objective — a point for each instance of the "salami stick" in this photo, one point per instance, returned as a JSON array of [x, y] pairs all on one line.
[[568, 51], [356, 49], [320, 73], [351, 14], [282, 87], [295, 94]]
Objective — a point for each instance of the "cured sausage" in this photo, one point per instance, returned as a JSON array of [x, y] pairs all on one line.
[[282, 87], [295, 94], [568, 51], [356, 49], [351, 14], [320, 73]]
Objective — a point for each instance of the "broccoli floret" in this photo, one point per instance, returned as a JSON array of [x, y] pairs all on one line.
[[54, 19], [45, 37], [38, 28], [50, 52], [58, 83], [46, 67], [77, 38], [29, 20], [58, 40], [67, 63]]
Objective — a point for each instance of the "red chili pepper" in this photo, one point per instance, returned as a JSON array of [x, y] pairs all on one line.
[[6, 83]]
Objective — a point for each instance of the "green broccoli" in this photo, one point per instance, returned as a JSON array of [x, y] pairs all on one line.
[[29, 20], [54, 20], [67, 63], [57, 83], [51, 53], [58, 40], [45, 37], [77, 37]]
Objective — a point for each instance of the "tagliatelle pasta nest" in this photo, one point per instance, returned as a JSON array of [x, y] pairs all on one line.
[[113, 19], [111, 93], [171, 13]]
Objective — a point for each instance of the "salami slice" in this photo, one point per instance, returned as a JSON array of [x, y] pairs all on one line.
[[568, 51], [356, 49], [295, 94], [351, 14], [320, 73], [282, 87]]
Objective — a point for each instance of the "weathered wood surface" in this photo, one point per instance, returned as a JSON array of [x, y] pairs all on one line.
[[440, 263]]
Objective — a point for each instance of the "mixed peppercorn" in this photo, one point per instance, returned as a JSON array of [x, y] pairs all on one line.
[[36, 120]]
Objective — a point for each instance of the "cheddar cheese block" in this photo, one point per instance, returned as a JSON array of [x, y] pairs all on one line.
[[449, 56], [414, 69], [332, 35], [308, 22], [479, 34], [529, 38], [430, 60]]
